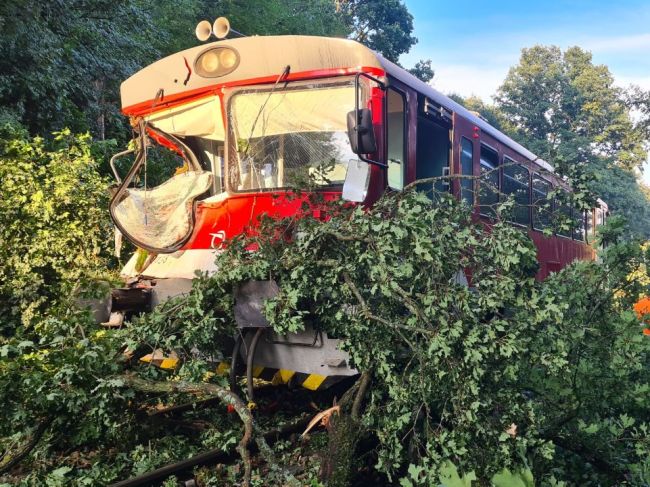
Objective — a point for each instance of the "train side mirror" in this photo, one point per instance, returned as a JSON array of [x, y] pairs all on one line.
[[357, 177], [360, 132]]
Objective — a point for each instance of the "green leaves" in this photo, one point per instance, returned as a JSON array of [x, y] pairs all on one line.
[[449, 477], [454, 369], [55, 228], [521, 478], [496, 375]]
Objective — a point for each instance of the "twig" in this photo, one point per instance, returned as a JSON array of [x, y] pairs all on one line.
[[411, 304], [366, 311]]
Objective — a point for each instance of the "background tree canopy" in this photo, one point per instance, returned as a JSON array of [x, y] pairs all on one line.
[[61, 63], [568, 111]]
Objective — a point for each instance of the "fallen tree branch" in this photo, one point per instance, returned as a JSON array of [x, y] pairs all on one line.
[[226, 397], [364, 383], [212, 456], [9, 461]]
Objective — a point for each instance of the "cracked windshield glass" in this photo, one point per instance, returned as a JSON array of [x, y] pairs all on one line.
[[291, 136]]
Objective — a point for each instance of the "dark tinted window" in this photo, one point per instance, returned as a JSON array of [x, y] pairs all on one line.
[[578, 224], [516, 182]]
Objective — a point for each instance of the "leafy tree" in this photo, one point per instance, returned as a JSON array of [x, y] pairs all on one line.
[[383, 25], [61, 62], [488, 112], [55, 228], [639, 100], [516, 364], [286, 17], [481, 377], [568, 111], [423, 70], [561, 101]]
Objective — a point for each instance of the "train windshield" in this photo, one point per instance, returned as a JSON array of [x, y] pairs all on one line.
[[291, 135]]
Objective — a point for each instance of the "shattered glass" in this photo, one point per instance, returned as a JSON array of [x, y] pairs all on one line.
[[161, 217], [156, 209]]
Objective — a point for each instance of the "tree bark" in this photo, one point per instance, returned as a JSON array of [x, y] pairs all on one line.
[[344, 432]]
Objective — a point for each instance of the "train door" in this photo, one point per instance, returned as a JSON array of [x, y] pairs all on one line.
[[433, 146]]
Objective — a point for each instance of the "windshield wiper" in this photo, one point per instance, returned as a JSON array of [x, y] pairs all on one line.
[[283, 75]]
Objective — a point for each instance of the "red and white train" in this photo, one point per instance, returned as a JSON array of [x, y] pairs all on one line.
[[251, 117]]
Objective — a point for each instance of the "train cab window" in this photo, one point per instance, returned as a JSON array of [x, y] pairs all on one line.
[[516, 182], [395, 136], [542, 205], [467, 169], [489, 181]]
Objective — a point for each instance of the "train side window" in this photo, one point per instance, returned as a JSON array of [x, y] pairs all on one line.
[[578, 224], [542, 206], [467, 170], [395, 130], [564, 215], [488, 194], [516, 182]]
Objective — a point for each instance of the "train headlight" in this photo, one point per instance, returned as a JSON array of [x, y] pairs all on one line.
[[210, 62], [216, 62], [228, 58]]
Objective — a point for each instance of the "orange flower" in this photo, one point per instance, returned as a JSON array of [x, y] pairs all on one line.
[[642, 307], [646, 331]]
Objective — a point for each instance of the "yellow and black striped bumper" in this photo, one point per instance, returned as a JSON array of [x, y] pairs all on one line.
[[313, 382]]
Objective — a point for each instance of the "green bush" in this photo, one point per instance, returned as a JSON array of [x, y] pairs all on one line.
[[54, 228]]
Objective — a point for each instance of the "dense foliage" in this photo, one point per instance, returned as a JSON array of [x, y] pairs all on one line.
[[508, 373], [505, 372], [61, 62], [54, 232]]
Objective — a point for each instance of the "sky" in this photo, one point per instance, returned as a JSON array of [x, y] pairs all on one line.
[[472, 44]]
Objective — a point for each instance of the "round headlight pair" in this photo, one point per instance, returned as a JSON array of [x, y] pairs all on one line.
[[216, 62]]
